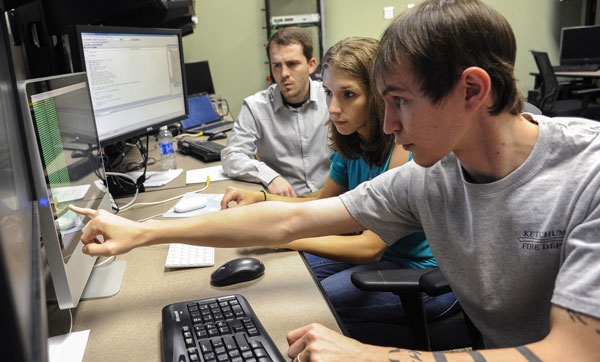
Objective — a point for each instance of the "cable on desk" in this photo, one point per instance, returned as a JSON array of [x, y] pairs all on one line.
[[71, 323], [181, 135], [132, 180], [167, 200]]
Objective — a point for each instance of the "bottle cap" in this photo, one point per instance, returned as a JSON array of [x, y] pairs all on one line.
[[163, 127]]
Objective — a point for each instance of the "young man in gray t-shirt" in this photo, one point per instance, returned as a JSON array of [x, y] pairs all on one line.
[[510, 202]]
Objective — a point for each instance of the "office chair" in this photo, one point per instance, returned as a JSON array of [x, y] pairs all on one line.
[[578, 103], [451, 330]]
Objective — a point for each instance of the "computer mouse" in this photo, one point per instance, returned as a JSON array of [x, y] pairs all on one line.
[[190, 203], [217, 136], [237, 271]]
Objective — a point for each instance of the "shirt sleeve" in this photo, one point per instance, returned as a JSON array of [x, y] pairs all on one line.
[[338, 171], [237, 157], [382, 205], [578, 279]]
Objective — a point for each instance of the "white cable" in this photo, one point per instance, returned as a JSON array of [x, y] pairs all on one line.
[[132, 180], [150, 217], [105, 261], [71, 317], [189, 135], [167, 200]]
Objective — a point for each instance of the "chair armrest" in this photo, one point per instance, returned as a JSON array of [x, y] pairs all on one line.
[[434, 283], [392, 280]]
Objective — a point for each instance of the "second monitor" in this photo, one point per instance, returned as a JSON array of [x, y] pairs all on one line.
[[136, 78]]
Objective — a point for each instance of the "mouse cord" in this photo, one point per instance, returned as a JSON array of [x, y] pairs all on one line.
[[167, 200]]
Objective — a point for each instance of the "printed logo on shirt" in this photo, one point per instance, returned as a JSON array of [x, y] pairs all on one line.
[[542, 240]]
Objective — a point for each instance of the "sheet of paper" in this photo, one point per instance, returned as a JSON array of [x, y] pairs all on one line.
[[70, 193], [215, 173], [157, 178], [68, 347], [213, 204]]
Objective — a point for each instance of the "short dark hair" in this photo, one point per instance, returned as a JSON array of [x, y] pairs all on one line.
[[292, 35], [441, 38], [354, 56]]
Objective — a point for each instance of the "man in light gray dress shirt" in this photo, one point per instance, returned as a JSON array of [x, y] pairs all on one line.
[[280, 137]]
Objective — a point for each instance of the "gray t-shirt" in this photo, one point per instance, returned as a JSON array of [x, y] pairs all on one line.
[[509, 248]]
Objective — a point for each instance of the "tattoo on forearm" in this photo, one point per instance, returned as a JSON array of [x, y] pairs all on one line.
[[576, 317], [528, 354], [415, 355], [439, 357], [397, 350], [477, 357]]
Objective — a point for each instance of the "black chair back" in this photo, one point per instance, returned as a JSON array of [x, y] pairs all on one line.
[[549, 84]]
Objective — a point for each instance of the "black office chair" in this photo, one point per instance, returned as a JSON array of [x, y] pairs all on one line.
[[452, 330], [576, 103]]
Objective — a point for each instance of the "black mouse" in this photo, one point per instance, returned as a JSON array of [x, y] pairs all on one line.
[[217, 136], [237, 271]]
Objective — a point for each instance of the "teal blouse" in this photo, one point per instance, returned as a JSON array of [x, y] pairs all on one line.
[[412, 251]]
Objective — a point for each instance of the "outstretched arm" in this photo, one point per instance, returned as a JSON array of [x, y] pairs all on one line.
[[573, 337], [269, 223]]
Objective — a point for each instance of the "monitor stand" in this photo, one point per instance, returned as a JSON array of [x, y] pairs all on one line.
[[105, 281]]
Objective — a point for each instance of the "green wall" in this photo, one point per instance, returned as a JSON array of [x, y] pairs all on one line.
[[230, 34]]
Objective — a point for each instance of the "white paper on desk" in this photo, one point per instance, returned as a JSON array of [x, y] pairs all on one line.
[[215, 173], [213, 203], [68, 347], [157, 178], [70, 193]]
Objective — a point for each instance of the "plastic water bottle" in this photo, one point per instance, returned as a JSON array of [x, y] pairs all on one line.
[[167, 152]]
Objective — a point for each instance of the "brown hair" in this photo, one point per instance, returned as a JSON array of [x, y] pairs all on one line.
[[354, 56], [292, 35], [441, 38]]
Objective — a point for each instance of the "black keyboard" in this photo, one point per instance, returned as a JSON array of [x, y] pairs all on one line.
[[215, 330], [206, 151], [576, 68]]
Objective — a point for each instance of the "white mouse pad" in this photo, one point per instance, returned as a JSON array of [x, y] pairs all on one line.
[[213, 203]]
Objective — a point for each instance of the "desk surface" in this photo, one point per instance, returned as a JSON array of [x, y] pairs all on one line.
[[595, 74], [127, 326]]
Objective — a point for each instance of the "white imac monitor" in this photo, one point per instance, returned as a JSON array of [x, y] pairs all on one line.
[[63, 145], [136, 78]]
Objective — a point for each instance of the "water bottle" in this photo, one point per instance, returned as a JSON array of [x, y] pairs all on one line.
[[167, 153]]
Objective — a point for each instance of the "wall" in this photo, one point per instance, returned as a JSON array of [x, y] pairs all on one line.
[[231, 34]]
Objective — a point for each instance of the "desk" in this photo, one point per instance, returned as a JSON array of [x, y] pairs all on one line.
[[127, 326], [593, 75]]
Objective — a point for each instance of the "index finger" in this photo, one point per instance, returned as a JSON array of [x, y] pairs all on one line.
[[296, 342], [225, 201], [83, 210], [296, 334]]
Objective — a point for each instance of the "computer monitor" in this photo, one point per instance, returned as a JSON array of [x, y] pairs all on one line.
[[136, 78], [22, 295], [579, 45], [63, 147], [198, 78]]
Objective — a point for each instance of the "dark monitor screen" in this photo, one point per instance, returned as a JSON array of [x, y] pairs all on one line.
[[198, 78], [580, 45], [136, 78], [22, 297]]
